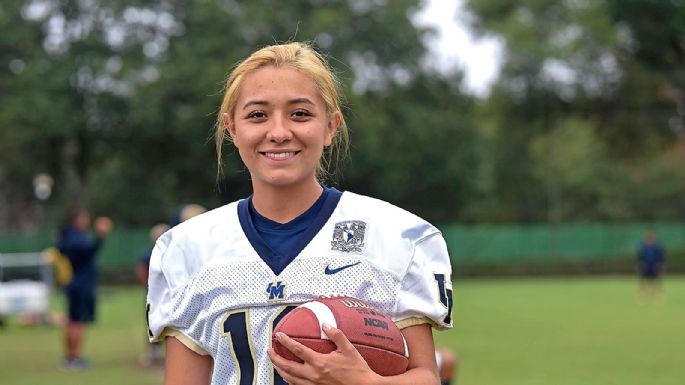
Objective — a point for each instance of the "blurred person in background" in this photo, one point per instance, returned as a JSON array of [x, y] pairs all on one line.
[[447, 365], [185, 212], [80, 247], [154, 356], [651, 259]]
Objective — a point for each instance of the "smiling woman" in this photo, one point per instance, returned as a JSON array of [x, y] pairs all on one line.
[[220, 281], [280, 126], [307, 63]]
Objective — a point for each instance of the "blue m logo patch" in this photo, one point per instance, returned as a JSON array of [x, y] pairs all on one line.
[[276, 291]]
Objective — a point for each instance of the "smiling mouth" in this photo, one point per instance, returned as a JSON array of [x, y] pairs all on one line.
[[280, 155]]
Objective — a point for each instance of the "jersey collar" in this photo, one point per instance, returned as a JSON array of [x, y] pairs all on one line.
[[277, 263]]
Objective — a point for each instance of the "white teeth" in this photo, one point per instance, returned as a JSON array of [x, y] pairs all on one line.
[[279, 155]]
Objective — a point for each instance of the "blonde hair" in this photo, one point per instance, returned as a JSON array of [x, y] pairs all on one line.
[[302, 57]]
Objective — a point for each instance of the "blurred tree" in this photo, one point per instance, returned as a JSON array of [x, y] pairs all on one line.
[[74, 64], [576, 72], [117, 101], [417, 146], [579, 164], [39, 129], [652, 46]]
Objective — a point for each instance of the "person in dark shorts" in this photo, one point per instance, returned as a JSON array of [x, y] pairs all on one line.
[[80, 247], [651, 258]]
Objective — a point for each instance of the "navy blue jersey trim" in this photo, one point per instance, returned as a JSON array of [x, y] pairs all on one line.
[[277, 263]]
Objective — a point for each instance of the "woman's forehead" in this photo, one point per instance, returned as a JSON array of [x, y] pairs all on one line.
[[282, 82]]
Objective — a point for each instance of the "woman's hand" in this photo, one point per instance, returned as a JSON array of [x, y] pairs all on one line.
[[340, 367]]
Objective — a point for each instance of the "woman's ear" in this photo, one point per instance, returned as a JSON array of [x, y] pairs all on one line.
[[229, 126], [332, 127]]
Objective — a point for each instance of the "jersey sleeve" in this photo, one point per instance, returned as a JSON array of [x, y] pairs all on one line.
[[425, 294], [165, 298]]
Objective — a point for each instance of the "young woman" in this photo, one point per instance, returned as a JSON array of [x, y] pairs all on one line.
[[221, 281]]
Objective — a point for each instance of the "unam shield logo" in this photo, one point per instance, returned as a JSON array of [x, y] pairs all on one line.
[[348, 236]]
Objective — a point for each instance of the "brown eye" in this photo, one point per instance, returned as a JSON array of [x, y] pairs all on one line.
[[256, 115], [301, 114]]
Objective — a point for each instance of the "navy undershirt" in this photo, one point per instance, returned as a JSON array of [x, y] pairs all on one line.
[[279, 243], [281, 236]]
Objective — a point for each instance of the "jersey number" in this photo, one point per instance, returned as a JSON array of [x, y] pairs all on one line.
[[445, 297], [236, 329]]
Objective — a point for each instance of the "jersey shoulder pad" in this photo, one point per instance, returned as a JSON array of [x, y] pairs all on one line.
[[184, 249], [392, 218]]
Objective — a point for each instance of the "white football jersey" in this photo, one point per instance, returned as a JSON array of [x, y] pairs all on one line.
[[210, 288]]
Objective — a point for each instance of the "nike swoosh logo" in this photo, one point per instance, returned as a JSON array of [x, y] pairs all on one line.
[[330, 271]]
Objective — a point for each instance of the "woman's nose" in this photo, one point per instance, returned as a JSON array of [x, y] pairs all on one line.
[[279, 131]]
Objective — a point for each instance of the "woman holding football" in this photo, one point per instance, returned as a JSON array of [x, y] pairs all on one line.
[[221, 281]]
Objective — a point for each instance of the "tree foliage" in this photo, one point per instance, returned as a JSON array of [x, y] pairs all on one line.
[[117, 101], [588, 111]]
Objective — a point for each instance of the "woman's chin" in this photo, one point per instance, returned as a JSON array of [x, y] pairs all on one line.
[[285, 180]]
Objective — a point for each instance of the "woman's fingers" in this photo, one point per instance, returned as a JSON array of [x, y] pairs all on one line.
[[302, 352], [290, 371], [338, 338]]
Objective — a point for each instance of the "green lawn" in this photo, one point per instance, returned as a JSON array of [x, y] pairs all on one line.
[[567, 331], [551, 331], [31, 355]]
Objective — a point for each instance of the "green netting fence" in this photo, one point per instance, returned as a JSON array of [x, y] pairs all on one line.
[[468, 245], [122, 249], [564, 243]]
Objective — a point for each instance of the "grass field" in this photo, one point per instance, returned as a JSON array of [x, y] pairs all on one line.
[[551, 331]]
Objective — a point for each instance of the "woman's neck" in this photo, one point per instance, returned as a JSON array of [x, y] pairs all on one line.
[[283, 204]]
